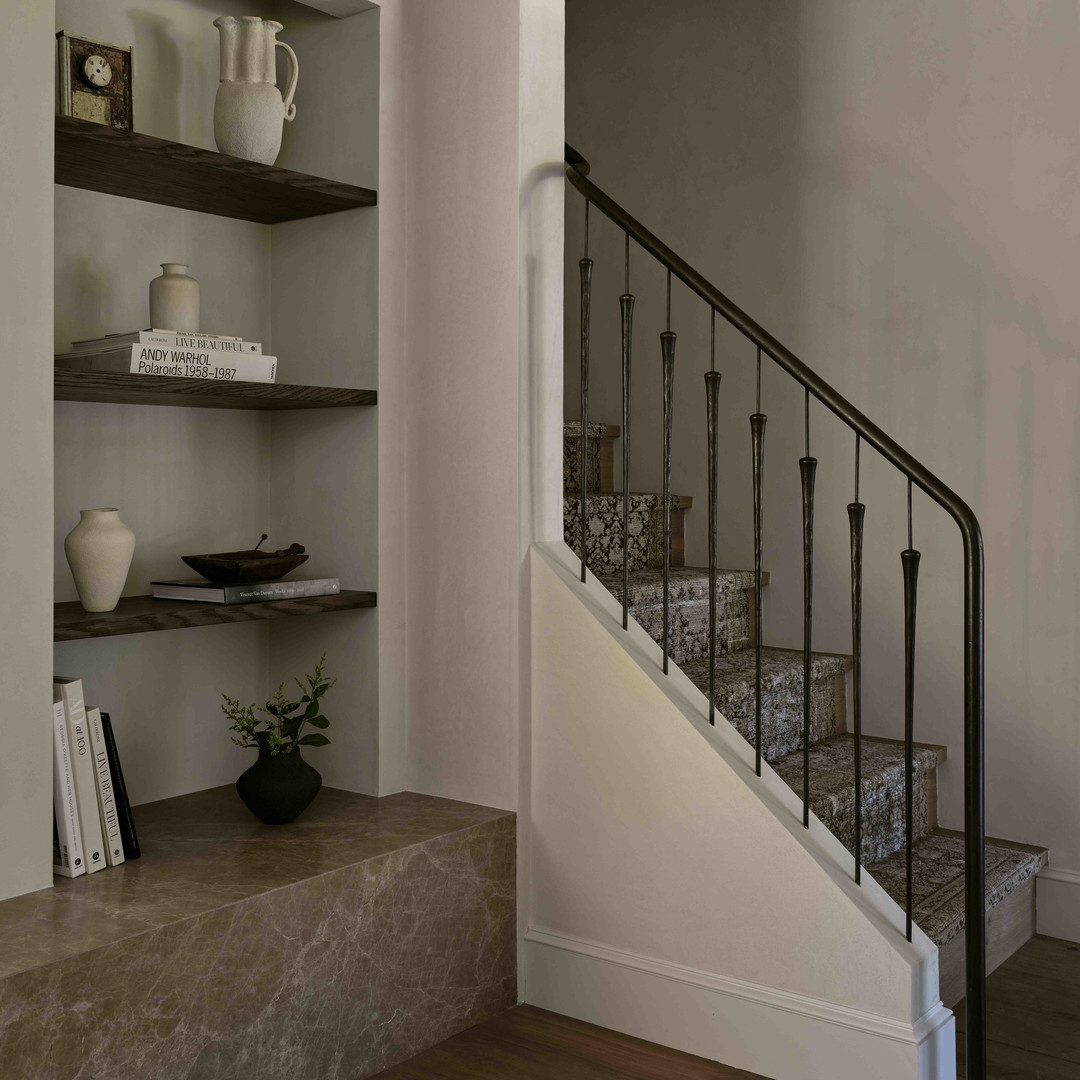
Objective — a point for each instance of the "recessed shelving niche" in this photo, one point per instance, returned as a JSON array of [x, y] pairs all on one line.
[[287, 255]]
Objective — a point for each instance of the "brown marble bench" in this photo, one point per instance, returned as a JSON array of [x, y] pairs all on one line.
[[328, 949]]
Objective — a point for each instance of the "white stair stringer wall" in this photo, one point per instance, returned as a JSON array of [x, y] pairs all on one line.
[[675, 896]]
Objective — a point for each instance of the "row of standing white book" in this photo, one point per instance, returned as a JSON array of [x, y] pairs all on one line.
[[92, 823], [167, 352]]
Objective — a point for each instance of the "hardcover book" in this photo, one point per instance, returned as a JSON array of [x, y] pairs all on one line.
[[110, 820], [202, 342], [216, 592], [68, 858], [128, 835], [178, 362], [70, 693]]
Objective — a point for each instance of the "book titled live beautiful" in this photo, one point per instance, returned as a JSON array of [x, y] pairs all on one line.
[[170, 338], [252, 592], [128, 835]]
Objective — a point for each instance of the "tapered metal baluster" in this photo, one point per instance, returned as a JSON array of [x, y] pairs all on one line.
[[712, 403], [585, 266], [856, 513], [807, 471], [910, 560], [757, 436], [667, 349], [626, 304]]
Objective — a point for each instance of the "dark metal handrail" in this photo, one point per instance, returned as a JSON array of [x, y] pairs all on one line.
[[577, 169]]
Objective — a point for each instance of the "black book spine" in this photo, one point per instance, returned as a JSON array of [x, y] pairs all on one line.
[[128, 837]]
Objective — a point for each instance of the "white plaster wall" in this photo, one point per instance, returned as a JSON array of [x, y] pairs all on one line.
[[461, 538], [26, 50], [893, 192], [652, 838], [470, 274]]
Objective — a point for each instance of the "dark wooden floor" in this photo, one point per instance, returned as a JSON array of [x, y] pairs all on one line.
[[1032, 1014], [531, 1044], [1033, 1020]]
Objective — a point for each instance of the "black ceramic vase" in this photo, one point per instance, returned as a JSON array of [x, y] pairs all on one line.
[[278, 788]]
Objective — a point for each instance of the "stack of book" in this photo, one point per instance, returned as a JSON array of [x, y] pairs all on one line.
[[250, 592], [162, 352], [92, 822]]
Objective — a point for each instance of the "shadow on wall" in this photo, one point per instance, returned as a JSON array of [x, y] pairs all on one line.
[[893, 194]]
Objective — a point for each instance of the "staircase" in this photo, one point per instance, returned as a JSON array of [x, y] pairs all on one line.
[[937, 853]]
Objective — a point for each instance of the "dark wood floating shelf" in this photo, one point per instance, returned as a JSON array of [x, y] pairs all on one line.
[[117, 389], [144, 614], [135, 166]]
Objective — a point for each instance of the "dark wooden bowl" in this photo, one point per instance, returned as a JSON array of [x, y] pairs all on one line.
[[240, 567]]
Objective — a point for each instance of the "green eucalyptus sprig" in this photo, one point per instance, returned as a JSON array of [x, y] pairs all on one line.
[[279, 728]]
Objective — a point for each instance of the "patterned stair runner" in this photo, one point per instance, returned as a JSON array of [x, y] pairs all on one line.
[[938, 856]]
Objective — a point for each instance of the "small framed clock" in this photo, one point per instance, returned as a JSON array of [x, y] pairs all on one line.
[[94, 81]]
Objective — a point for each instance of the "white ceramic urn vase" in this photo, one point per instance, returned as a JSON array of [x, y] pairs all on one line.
[[99, 551], [174, 299], [249, 110]]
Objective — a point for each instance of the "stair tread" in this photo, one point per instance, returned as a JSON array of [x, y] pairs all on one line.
[[572, 430], [781, 694], [687, 584], [780, 669], [832, 789], [639, 498], [832, 766], [938, 878]]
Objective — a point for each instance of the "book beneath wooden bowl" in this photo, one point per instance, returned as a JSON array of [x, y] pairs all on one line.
[[250, 592], [234, 567]]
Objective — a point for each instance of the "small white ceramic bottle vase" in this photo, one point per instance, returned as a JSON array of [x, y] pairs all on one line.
[[99, 551], [249, 110], [174, 299]]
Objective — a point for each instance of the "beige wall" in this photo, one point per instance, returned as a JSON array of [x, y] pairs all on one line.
[[670, 886], [26, 52], [893, 191], [472, 221]]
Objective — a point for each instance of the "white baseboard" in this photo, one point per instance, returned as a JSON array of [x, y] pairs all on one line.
[[1057, 903], [764, 1030]]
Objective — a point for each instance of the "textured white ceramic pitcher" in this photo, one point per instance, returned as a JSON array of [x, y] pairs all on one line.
[[249, 110]]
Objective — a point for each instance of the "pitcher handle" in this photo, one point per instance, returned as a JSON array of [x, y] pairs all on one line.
[[294, 72]]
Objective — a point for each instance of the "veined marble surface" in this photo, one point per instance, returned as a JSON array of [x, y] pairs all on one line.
[[379, 927], [205, 850]]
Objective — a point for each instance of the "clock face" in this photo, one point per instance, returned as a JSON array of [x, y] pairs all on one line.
[[97, 71], [94, 81]]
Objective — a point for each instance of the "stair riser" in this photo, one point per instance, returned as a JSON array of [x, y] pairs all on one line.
[[601, 464], [605, 547], [782, 713], [688, 625], [883, 812]]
